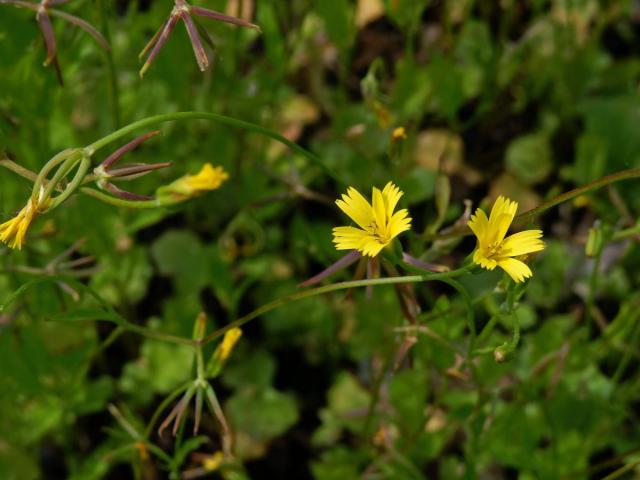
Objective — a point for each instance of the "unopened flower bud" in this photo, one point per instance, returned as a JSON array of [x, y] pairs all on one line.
[[223, 351], [200, 326], [595, 241]]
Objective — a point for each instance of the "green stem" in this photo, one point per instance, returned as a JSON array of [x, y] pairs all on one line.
[[50, 165], [83, 168], [62, 171], [225, 120], [576, 192], [112, 316], [488, 328], [120, 202], [326, 289], [525, 217], [18, 169], [155, 335]]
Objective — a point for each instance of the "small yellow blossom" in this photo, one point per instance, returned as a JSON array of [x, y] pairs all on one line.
[[208, 178], [494, 249], [378, 223], [226, 347], [12, 232]]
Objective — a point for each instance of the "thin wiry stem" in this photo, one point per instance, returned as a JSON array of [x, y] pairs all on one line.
[[576, 192], [230, 121], [332, 288]]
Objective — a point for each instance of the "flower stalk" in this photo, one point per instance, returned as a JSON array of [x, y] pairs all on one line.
[[44, 9], [200, 388]]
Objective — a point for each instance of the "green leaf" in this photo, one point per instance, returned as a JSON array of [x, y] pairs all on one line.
[[262, 414], [159, 369], [257, 368], [180, 254], [529, 158], [346, 396]]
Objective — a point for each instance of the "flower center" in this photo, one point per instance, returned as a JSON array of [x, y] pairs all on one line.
[[380, 233], [493, 250]]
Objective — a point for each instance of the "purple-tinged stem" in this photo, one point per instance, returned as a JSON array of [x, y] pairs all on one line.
[[184, 403], [153, 40], [198, 411], [47, 34], [161, 40], [344, 262], [115, 156], [118, 192], [174, 412], [221, 17], [429, 267], [196, 43]]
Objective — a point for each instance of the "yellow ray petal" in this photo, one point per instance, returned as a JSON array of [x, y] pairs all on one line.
[[479, 225], [500, 219], [516, 269], [379, 211], [349, 238], [522, 243], [372, 248], [399, 222], [392, 195], [356, 207]]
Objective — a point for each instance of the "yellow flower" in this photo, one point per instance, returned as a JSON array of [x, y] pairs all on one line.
[[12, 232], [494, 249], [208, 178], [378, 224]]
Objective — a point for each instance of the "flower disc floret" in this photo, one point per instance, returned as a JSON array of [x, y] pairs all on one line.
[[378, 223]]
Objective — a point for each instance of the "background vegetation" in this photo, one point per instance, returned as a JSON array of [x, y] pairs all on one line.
[[525, 98]]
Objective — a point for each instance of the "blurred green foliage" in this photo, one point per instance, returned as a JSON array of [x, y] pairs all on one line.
[[526, 98]]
